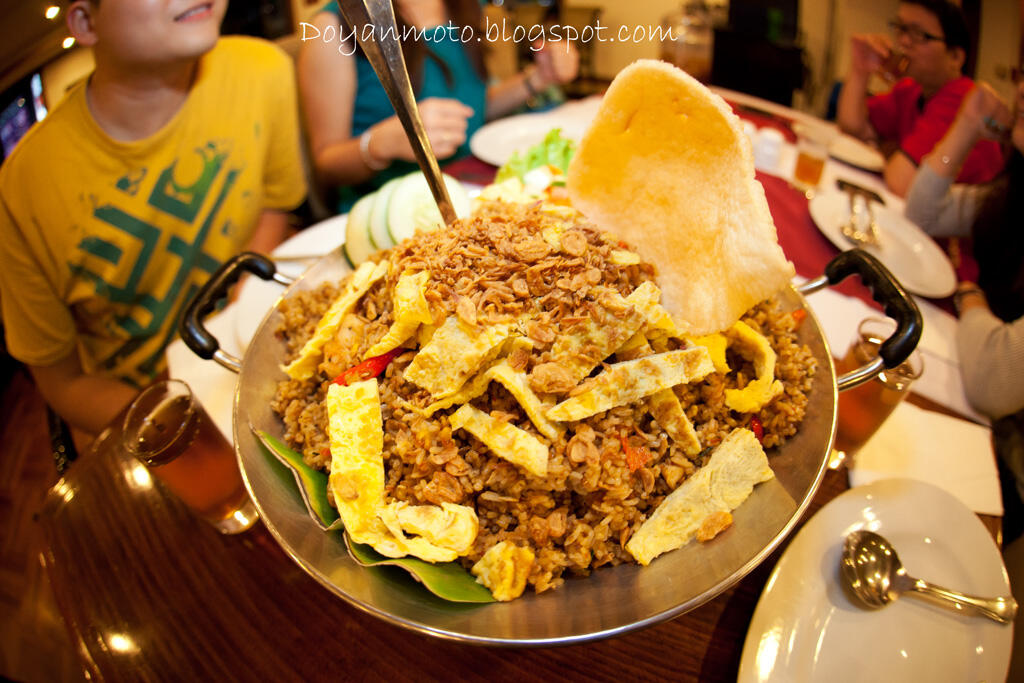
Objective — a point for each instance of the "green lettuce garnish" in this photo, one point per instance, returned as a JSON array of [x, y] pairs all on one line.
[[553, 149]]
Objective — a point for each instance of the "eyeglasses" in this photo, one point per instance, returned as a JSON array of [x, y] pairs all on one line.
[[916, 35]]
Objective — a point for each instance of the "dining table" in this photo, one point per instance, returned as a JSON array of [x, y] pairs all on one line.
[[150, 592]]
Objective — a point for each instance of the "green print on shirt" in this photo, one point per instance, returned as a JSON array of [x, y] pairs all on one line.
[[184, 201], [190, 255]]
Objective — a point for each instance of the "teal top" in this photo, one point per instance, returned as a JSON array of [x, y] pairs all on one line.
[[372, 104]]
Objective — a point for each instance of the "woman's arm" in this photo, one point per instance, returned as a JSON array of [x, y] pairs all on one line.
[[327, 86], [939, 207], [991, 356], [867, 53], [555, 63], [933, 202]]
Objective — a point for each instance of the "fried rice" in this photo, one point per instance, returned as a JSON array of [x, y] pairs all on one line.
[[498, 266]]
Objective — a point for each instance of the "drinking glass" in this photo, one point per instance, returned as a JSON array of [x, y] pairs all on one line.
[[811, 154], [169, 431], [863, 409], [894, 66]]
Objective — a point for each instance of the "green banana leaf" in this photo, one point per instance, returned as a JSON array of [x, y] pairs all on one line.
[[447, 580], [312, 482]]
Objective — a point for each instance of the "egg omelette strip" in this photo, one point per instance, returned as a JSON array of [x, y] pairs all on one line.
[[736, 465], [309, 357], [632, 380]]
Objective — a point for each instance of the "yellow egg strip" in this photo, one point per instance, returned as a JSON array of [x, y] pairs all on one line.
[[518, 384], [623, 257], [362, 279], [504, 569], [505, 440], [470, 390], [453, 354], [603, 337], [664, 405], [715, 344], [734, 468], [633, 380], [760, 391], [356, 433], [668, 412], [410, 311], [449, 526]]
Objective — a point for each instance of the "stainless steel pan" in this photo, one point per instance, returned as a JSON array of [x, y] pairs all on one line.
[[612, 600]]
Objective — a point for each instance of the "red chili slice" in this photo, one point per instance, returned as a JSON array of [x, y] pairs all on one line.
[[635, 457], [757, 428], [371, 367]]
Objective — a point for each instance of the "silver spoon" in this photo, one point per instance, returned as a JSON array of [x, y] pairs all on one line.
[[873, 572], [385, 55]]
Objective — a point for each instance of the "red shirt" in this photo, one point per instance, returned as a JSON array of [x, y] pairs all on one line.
[[918, 124]]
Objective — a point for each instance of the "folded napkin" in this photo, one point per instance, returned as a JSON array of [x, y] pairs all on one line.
[[950, 453], [213, 384]]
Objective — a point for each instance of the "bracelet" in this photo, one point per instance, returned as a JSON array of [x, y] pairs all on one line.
[[364, 152], [531, 92]]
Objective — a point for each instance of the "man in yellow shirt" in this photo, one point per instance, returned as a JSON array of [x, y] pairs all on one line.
[[180, 150]]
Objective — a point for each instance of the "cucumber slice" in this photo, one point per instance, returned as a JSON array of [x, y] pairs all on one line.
[[357, 231], [379, 215], [412, 207]]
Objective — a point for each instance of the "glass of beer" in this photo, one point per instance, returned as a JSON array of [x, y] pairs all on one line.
[[894, 66], [168, 430], [811, 153], [863, 409]]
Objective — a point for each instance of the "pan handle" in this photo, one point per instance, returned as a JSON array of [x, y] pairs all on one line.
[[193, 331], [886, 290]]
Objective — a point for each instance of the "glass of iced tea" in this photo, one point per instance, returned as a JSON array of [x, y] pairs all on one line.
[[168, 430], [863, 409]]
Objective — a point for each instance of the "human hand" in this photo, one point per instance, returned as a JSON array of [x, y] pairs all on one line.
[[985, 113], [869, 52], [556, 62], [445, 122]]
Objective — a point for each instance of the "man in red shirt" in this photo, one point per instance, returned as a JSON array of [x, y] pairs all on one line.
[[928, 49]]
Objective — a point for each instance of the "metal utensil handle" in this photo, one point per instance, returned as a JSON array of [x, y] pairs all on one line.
[[1001, 609], [385, 55], [896, 302], [192, 329]]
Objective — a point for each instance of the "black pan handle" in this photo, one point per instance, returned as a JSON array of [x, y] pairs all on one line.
[[216, 289], [886, 290]]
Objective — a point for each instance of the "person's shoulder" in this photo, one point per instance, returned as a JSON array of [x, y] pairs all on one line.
[[247, 52], [41, 144]]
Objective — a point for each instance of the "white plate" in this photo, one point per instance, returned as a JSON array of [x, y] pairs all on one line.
[[805, 628], [497, 141], [912, 256], [852, 151], [256, 296]]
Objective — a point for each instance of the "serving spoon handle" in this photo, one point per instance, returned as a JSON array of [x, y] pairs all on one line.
[[1001, 609], [385, 55]]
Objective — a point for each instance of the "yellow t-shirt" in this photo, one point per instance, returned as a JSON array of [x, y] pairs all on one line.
[[102, 242]]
